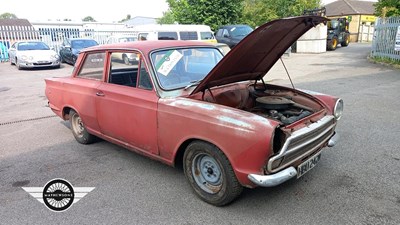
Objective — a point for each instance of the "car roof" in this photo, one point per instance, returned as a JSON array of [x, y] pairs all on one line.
[[234, 25], [147, 46]]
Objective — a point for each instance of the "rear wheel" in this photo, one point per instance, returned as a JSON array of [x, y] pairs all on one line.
[[11, 62], [210, 174], [79, 130], [332, 44], [346, 41]]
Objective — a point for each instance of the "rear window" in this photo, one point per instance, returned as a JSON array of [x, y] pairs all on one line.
[[188, 35], [167, 36]]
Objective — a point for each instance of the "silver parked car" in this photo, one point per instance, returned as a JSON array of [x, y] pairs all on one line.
[[32, 54]]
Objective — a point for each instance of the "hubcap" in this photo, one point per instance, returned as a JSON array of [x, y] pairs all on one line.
[[77, 125], [207, 173]]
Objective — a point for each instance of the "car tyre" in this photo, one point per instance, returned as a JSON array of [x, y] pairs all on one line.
[[346, 41], [73, 60], [17, 64], [11, 62], [332, 44], [62, 59], [210, 174], [79, 130]]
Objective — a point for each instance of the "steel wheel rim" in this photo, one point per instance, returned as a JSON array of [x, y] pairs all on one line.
[[207, 173], [77, 125], [334, 43]]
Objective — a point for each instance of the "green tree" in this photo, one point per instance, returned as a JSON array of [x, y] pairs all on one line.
[[258, 12], [89, 19], [209, 12], [387, 8], [167, 18], [8, 16]]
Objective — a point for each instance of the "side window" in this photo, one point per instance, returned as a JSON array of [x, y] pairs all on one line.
[[225, 33], [144, 77], [124, 68], [93, 66], [188, 35], [219, 32], [167, 36]]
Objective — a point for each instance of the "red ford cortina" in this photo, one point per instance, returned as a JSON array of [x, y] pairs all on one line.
[[183, 103]]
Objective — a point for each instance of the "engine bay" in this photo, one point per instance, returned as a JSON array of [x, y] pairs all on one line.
[[273, 102]]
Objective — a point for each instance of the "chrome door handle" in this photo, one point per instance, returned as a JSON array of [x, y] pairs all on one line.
[[100, 93]]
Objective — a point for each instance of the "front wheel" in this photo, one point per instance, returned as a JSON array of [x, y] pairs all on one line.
[[62, 59], [332, 44], [79, 130], [210, 174], [74, 58]]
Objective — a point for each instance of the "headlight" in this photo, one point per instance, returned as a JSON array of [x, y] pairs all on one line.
[[26, 58], [338, 110], [55, 56]]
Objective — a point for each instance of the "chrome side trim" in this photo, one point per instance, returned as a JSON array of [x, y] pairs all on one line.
[[273, 179], [298, 134]]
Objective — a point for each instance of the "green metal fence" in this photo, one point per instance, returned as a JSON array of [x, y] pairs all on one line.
[[386, 41]]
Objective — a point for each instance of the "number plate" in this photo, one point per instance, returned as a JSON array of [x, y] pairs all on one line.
[[308, 165]]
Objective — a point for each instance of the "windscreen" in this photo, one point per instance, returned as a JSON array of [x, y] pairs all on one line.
[[178, 68], [26, 46]]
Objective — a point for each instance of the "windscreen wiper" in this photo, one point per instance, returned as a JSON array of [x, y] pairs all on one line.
[[192, 83]]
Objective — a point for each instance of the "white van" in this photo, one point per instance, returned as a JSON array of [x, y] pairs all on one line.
[[175, 32]]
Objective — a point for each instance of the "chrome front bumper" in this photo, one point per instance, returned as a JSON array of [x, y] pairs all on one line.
[[283, 175], [273, 179]]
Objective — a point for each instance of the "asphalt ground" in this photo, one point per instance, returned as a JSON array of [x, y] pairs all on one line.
[[355, 182]]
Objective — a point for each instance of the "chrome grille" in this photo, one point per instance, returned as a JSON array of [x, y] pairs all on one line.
[[302, 143]]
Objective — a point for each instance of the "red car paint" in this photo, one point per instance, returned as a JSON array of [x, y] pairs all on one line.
[[160, 123]]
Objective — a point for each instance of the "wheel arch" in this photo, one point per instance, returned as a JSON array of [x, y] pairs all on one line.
[[178, 158], [65, 112]]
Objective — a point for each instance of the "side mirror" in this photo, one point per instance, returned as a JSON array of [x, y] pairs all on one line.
[[226, 35]]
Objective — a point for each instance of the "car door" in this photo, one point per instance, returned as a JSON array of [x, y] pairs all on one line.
[[82, 89], [127, 104]]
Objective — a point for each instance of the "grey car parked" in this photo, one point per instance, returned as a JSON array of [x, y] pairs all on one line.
[[232, 34], [71, 47]]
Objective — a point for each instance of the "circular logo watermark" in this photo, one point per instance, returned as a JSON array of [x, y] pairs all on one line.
[[58, 195]]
